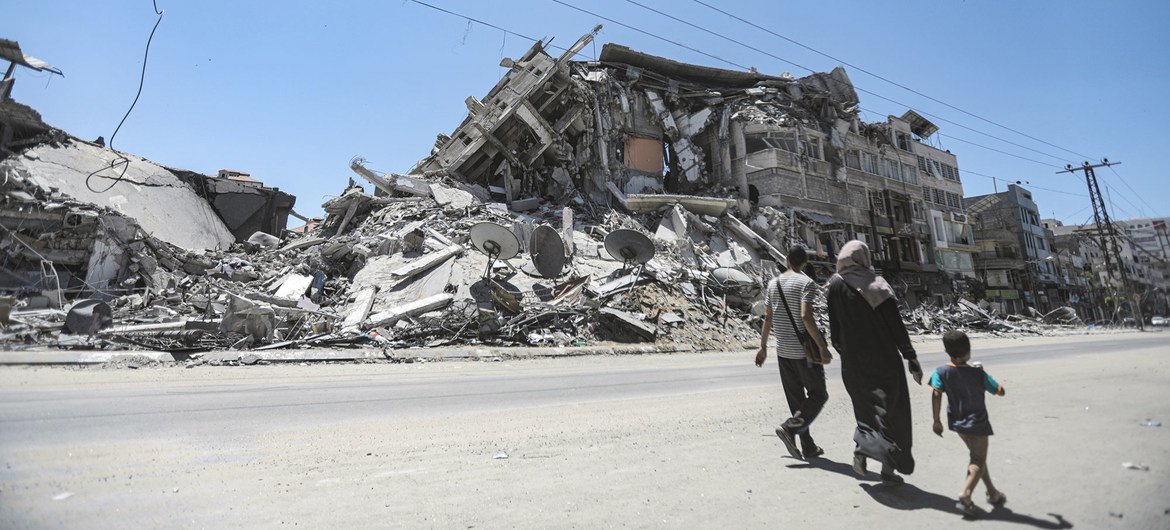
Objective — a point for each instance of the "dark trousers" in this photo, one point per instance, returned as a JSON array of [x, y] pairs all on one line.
[[804, 386]]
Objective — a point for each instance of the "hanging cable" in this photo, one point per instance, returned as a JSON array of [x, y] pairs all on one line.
[[119, 158]]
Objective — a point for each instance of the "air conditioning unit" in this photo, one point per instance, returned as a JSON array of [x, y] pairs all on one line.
[[958, 217]]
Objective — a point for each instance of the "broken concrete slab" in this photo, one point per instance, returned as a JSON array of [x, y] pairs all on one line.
[[360, 308], [426, 262], [293, 287], [148, 193], [455, 198], [644, 203], [627, 327], [418, 307]]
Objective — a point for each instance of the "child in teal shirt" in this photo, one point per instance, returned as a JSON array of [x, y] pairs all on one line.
[[965, 384]]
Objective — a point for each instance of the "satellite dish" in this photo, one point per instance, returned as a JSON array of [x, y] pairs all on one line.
[[733, 280], [495, 240], [629, 246], [548, 251]]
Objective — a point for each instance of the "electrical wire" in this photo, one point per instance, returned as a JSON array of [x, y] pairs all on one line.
[[493, 26], [798, 65], [890, 81], [999, 151], [1135, 193], [121, 159]]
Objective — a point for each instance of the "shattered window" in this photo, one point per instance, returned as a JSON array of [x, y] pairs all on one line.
[[871, 163], [909, 174], [785, 140], [811, 147], [853, 159]]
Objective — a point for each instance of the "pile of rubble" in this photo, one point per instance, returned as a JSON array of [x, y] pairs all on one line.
[[968, 316], [397, 271]]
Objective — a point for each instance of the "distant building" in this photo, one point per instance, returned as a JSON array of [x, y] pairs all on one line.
[[1144, 245], [1014, 260]]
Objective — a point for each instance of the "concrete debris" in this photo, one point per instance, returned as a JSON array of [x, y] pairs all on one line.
[[631, 142]]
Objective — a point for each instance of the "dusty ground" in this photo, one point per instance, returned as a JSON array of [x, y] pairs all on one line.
[[696, 455]]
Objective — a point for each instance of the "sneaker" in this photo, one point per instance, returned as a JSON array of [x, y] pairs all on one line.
[[789, 442], [859, 465], [813, 452]]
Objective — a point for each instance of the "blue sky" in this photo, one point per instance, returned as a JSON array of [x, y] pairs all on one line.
[[290, 91]]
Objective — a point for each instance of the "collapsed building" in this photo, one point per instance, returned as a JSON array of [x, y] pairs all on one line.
[[718, 170]]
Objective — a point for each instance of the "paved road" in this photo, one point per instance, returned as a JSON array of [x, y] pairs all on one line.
[[154, 421], [266, 398]]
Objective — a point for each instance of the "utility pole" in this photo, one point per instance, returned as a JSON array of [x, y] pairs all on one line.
[[1107, 233]]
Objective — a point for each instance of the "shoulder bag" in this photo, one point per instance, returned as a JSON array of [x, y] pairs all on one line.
[[812, 354]]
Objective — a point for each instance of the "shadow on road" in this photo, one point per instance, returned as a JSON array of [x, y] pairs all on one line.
[[910, 497], [825, 464]]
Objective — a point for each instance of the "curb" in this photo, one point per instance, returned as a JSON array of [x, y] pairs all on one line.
[[51, 357], [81, 356]]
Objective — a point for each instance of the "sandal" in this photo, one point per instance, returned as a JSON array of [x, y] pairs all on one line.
[[996, 500], [967, 506]]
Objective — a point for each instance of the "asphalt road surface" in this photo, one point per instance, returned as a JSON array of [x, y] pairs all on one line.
[[646, 441]]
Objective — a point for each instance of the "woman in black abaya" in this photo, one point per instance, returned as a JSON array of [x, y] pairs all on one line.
[[868, 334]]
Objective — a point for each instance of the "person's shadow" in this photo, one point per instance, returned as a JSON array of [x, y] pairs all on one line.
[[910, 497], [824, 464]]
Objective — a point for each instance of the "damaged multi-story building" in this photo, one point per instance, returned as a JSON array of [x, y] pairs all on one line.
[[75, 215], [790, 155]]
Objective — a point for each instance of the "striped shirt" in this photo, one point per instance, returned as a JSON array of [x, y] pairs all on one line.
[[797, 288]]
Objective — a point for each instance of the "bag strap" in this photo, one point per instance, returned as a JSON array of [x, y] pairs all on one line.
[[784, 300]]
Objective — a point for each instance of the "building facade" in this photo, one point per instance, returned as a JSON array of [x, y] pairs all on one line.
[[1014, 260], [895, 192]]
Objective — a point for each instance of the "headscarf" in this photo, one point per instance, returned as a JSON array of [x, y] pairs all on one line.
[[856, 269]]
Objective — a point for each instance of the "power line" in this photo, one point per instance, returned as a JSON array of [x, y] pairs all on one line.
[[998, 150], [493, 26], [1135, 193], [1030, 186], [1127, 201], [649, 34], [895, 83], [784, 61]]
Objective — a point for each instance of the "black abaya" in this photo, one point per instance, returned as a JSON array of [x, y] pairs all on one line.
[[868, 341]]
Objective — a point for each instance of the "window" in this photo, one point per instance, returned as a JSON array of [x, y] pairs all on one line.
[[940, 197], [954, 201], [926, 193], [909, 174], [810, 146], [903, 140], [871, 163], [891, 169], [922, 164], [853, 159], [877, 202], [919, 210]]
